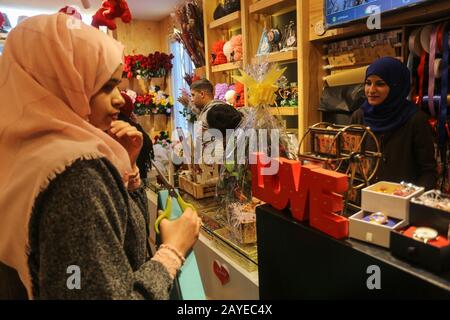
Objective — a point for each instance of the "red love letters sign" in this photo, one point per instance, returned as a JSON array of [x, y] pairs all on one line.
[[312, 193]]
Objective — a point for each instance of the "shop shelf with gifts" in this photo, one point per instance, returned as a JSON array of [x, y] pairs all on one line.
[[272, 7], [289, 56], [231, 21], [230, 66]]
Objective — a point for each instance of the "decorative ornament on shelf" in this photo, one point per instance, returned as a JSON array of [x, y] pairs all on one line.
[[110, 10], [319, 28], [264, 46], [290, 37], [274, 37]]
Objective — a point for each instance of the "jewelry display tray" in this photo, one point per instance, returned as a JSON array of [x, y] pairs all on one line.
[[396, 208], [428, 256], [391, 205], [378, 234]]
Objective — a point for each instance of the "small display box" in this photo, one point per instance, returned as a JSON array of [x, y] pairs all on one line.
[[385, 207], [390, 198], [425, 242]]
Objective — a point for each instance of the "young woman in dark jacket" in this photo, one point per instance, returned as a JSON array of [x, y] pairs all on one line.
[[402, 129]]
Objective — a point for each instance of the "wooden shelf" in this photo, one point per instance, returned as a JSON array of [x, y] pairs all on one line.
[[286, 56], [227, 66], [284, 111], [272, 7], [231, 21]]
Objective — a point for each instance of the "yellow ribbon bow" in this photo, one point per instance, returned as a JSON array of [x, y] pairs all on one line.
[[263, 92]]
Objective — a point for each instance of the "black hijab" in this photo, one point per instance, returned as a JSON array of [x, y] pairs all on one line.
[[396, 109]]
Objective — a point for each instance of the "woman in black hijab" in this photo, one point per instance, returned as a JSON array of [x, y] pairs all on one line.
[[402, 129]]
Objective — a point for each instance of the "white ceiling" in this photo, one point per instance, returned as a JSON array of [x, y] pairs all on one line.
[[154, 10]]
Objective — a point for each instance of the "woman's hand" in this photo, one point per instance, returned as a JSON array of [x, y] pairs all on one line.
[[181, 233], [129, 137]]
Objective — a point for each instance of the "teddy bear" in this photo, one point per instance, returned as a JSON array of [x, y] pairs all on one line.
[[110, 10], [228, 51], [236, 44], [239, 96], [217, 55]]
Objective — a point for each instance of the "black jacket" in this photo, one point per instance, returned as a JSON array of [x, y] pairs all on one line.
[[408, 152]]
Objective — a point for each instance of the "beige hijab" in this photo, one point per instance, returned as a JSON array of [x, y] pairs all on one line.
[[51, 67]]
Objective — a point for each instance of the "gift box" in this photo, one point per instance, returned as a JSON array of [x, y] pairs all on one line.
[[388, 201], [433, 255], [246, 255], [362, 228], [242, 222], [245, 232], [381, 197]]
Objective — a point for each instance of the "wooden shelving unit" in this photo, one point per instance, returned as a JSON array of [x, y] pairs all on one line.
[[281, 57], [223, 29], [227, 66], [271, 7], [257, 14], [230, 21]]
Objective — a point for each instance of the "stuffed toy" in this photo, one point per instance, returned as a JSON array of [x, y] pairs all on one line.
[[219, 12], [231, 6], [239, 97], [220, 90], [228, 51], [110, 10], [236, 44], [71, 11], [229, 97], [218, 57]]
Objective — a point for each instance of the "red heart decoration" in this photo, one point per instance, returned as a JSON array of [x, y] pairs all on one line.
[[221, 272]]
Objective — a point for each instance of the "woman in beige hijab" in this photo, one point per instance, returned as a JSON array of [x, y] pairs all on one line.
[[73, 215]]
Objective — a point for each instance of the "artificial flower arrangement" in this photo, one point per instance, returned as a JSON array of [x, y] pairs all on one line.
[[188, 29], [185, 100], [191, 78], [162, 139], [154, 102], [155, 65]]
